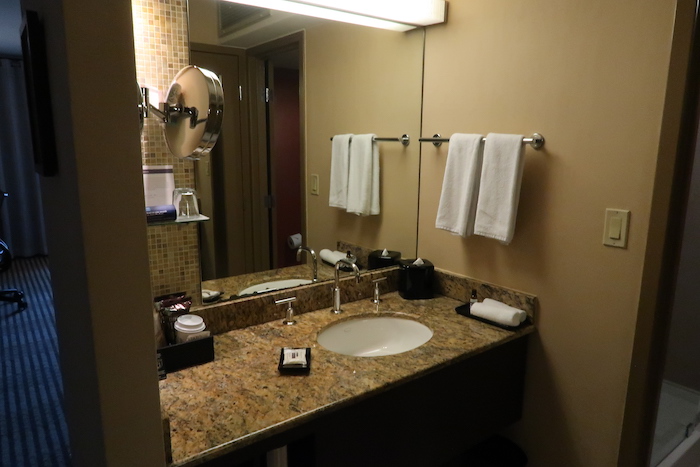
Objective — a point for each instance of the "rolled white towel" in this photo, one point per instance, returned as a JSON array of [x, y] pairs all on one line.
[[522, 314], [497, 314], [331, 257]]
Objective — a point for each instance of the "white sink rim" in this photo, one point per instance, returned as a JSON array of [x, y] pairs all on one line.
[[270, 286], [374, 335]]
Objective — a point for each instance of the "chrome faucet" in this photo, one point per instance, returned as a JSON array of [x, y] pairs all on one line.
[[313, 257], [289, 315], [336, 289]]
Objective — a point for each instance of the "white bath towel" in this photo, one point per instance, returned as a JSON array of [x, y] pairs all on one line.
[[499, 191], [521, 314], [363, 178], [340, 165], [460, 185], [496, 314]]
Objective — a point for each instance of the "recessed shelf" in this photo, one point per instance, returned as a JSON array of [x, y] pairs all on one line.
[[201, 218]]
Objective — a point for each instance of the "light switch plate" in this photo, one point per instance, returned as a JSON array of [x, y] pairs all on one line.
[[616, 227]]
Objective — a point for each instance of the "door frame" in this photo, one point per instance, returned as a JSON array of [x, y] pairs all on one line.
[[677, 144]]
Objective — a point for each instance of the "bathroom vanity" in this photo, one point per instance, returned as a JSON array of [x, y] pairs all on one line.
[[420, 407]]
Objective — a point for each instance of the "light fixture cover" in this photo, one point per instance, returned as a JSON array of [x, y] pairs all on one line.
[[415, 12], [397, 15]]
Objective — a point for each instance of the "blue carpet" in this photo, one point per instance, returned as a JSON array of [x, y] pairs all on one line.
[[33, 430]]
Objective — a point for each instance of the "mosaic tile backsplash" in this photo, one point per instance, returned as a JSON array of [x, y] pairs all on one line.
[[162, 49]]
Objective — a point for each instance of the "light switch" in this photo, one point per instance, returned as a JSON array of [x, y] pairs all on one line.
[[616, 226], [314, 184]]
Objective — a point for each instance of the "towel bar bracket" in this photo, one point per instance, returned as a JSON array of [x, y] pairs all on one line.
[[437, 140], [536, 141]]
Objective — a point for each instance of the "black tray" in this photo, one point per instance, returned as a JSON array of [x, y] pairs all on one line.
[[295, 370]]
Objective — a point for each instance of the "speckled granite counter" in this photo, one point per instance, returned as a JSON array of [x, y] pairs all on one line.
[[240, 398]]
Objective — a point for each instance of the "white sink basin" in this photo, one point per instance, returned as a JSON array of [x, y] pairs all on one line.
[[374, 336], [273, 285]]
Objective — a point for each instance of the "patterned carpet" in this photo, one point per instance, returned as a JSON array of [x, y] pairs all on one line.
[[32, 424]]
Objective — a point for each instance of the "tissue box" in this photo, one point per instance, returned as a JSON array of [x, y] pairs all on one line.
[[416, 282], [376, 260]]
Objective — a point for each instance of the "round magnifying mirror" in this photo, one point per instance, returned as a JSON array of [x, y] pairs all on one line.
[[196, 108]]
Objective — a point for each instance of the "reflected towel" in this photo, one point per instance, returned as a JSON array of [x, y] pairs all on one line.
[[363, 178], [331, 257], [460, 185], [499, 191], [340, 164]]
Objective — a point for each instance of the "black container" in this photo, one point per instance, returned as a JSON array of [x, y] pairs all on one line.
[[376, 260], [416, 282], [178, 356]]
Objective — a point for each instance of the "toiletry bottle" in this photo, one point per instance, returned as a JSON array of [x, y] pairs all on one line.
[[473, 298], [349, 257]]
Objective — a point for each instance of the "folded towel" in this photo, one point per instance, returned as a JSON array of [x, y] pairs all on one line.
[[363, 177], [460, 185], [340, 164], [331, 257], [522, 315], [497, 314], [499, 190]]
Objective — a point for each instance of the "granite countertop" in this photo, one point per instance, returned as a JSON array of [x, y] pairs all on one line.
[[240, 398]]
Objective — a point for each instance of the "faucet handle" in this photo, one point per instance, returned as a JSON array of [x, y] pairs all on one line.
[[289, 317], [376, 282]]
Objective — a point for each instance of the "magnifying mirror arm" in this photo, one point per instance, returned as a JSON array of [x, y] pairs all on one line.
[[170, 113], [176, 111]]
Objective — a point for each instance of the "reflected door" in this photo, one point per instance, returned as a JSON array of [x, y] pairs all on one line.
[[223, 180]]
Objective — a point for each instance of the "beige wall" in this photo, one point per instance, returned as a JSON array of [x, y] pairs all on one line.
[[203, 21], [591, 78], [98, 252], [361, 80]]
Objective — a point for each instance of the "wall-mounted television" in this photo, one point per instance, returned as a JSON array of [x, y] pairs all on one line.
[[38, 94]]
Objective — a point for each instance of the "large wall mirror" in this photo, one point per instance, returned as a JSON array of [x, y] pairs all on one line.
[[292, 83]]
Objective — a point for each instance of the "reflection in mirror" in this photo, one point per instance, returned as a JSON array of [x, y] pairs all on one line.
[[300, 81]]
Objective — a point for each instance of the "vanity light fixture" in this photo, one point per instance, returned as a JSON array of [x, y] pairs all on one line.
[[396, 15]]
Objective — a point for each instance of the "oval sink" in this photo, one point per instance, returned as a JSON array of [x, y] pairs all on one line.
[[273, 285], [374, 336]]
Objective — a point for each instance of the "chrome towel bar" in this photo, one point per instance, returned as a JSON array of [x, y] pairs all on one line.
[[536, 140], [403, 139]]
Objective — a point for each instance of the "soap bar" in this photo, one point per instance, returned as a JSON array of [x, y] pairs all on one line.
[[294, 357], [295, 361]]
